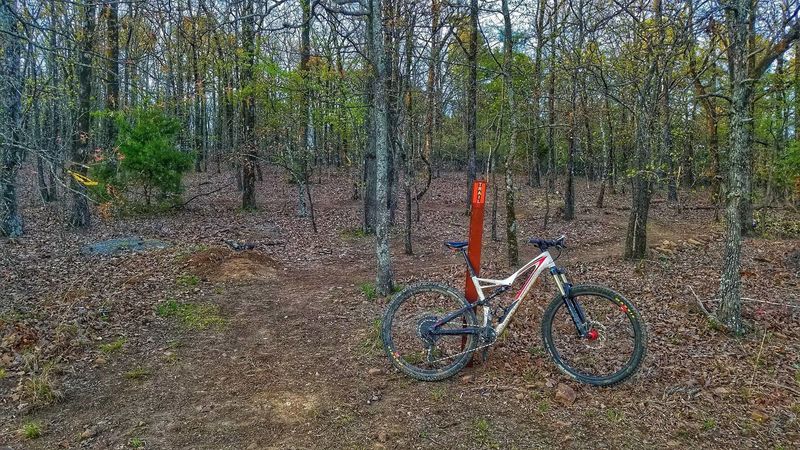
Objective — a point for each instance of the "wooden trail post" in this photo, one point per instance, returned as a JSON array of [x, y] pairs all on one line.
[[474, 243], [475, 236]]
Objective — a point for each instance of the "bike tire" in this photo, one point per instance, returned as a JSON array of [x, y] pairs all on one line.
[[637, 325], [409, 368]]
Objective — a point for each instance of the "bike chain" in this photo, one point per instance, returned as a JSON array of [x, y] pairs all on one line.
[[464, 352]]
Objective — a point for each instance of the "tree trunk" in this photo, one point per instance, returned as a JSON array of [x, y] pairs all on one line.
[[551, 107], [35, 124], [730, 309], [408, 132], [508, 81], [493, 167], [608, 146], [199, 125], [779, 121], [380, 117], [730, 283], [666, 142], [370, 167], [688, 153], [534, 173], [431, 95], [10, 150], [81, 138], [111, 14], [472, 99], [54, 123], [569, 184], [645, 120], [250, 157], [198, 141], [797, 91], [572, 132], [641, 189], [307, 149], [711, 118]]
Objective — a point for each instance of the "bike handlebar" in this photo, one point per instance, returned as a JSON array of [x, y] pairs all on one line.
[[544, 244]]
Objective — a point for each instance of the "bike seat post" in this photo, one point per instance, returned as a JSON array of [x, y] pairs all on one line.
[[469, 264]]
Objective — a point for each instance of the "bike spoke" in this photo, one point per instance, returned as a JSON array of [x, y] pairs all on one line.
[[610, 345], [412, 325]]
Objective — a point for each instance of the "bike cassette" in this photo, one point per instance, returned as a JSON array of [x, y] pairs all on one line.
[[425, 330]]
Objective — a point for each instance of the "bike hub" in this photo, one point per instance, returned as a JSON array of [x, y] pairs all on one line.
[[425, 329]]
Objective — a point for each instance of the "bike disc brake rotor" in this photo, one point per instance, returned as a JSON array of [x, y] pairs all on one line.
[[599, 340]]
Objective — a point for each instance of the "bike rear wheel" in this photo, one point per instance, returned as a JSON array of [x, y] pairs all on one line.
[[407, 337], [616, 344]]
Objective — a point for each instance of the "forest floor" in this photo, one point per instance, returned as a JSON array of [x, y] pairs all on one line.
[[198, 346]]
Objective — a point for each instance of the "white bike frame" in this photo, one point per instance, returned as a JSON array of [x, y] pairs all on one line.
[[537, 265]]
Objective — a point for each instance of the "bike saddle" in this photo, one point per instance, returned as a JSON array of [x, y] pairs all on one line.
[[456, 245], [544, 244]]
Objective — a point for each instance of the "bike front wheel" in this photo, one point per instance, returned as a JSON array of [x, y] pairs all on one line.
[[407, 334], [615, 345]]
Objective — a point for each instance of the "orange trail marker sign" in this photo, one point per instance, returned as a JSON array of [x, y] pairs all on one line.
[[475, 236]]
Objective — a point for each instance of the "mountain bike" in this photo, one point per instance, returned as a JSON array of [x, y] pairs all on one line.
[[592, 333]]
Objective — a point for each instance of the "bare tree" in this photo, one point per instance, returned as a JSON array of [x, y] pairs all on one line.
[[249, 108], [111, 15], [81, 138], [744, 73], [472, 99], [508, 83], [380, 123], [10, 149]]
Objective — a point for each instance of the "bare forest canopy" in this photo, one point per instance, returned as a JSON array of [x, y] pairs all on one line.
[[108, 103]]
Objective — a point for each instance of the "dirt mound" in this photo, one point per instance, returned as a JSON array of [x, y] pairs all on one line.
[[220, 264]]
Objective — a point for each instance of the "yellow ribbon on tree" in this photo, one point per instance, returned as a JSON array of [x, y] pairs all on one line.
[[82, 179]]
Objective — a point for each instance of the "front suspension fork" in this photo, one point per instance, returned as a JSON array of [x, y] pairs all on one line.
[[574, 308]]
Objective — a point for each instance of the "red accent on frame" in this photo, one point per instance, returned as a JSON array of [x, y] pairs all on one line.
[[533, 270]]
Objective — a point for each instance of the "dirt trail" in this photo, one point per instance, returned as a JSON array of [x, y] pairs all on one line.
[[299, 364]]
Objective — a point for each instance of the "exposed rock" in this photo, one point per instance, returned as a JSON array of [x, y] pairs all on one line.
[[565, 394], [132, 244], [90, 432], [721, 391]]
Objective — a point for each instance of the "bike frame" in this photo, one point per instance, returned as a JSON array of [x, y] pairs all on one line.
[[535, 266]]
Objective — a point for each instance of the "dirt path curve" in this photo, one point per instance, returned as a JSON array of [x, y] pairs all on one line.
[[294, 368], [299, 363]]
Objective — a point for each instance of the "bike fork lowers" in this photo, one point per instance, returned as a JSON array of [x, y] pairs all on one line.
[[574, 308]]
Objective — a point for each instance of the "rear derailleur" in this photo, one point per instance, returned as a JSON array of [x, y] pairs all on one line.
[[487, 338]]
